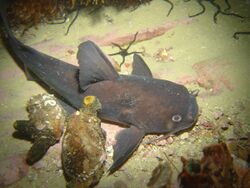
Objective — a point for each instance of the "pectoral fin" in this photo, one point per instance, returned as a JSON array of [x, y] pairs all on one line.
[[127, 142], [140, 68]]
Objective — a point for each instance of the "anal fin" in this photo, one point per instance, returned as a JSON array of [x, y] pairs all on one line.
[[127, 142]]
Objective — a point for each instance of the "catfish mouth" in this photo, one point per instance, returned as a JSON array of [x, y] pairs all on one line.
[[193, 110], [191, 116]]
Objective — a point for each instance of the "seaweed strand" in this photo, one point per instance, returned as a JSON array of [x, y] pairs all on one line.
[[235, 35], [228, 5], [171, 6], [218, 9], [74, 19], [202, 11]]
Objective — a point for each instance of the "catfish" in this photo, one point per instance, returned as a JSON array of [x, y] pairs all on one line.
[[139, 102]]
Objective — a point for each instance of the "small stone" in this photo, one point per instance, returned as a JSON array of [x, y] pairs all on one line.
[[162, 142], [229, 121], [170, 140], [208, 125], [224, 127], [184, 136], [70, 52], [110, 151], [182, 142], [217, 114]]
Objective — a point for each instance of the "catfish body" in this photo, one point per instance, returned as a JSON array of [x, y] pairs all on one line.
[[149, 104], [154, 105], [141, 103]]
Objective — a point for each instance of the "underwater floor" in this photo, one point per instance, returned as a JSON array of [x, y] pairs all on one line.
[[194, 51]]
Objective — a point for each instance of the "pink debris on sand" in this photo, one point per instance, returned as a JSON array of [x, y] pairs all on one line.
[[13, 169], [187, 79], [146, 34], [210, 75]]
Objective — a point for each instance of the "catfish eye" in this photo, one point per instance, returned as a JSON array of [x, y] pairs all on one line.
[[176, 118]]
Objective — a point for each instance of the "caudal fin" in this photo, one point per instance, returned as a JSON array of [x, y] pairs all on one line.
[[4, 25]]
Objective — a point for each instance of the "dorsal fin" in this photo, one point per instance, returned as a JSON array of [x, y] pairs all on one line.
[[140, 68], [94, 65]]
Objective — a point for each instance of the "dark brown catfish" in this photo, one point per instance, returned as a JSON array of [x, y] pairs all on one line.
[[141, 103]]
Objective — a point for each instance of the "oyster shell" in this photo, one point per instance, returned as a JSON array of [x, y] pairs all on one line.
[[44, 127], [83, 149]]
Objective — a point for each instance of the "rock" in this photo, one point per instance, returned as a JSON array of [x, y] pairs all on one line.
[[184, 136], [211, 76], [161, 175], [217, 114]]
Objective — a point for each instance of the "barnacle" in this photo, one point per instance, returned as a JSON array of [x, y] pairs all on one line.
[[45, 125]]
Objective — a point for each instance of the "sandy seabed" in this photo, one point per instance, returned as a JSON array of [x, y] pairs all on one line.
[[201, 55]]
